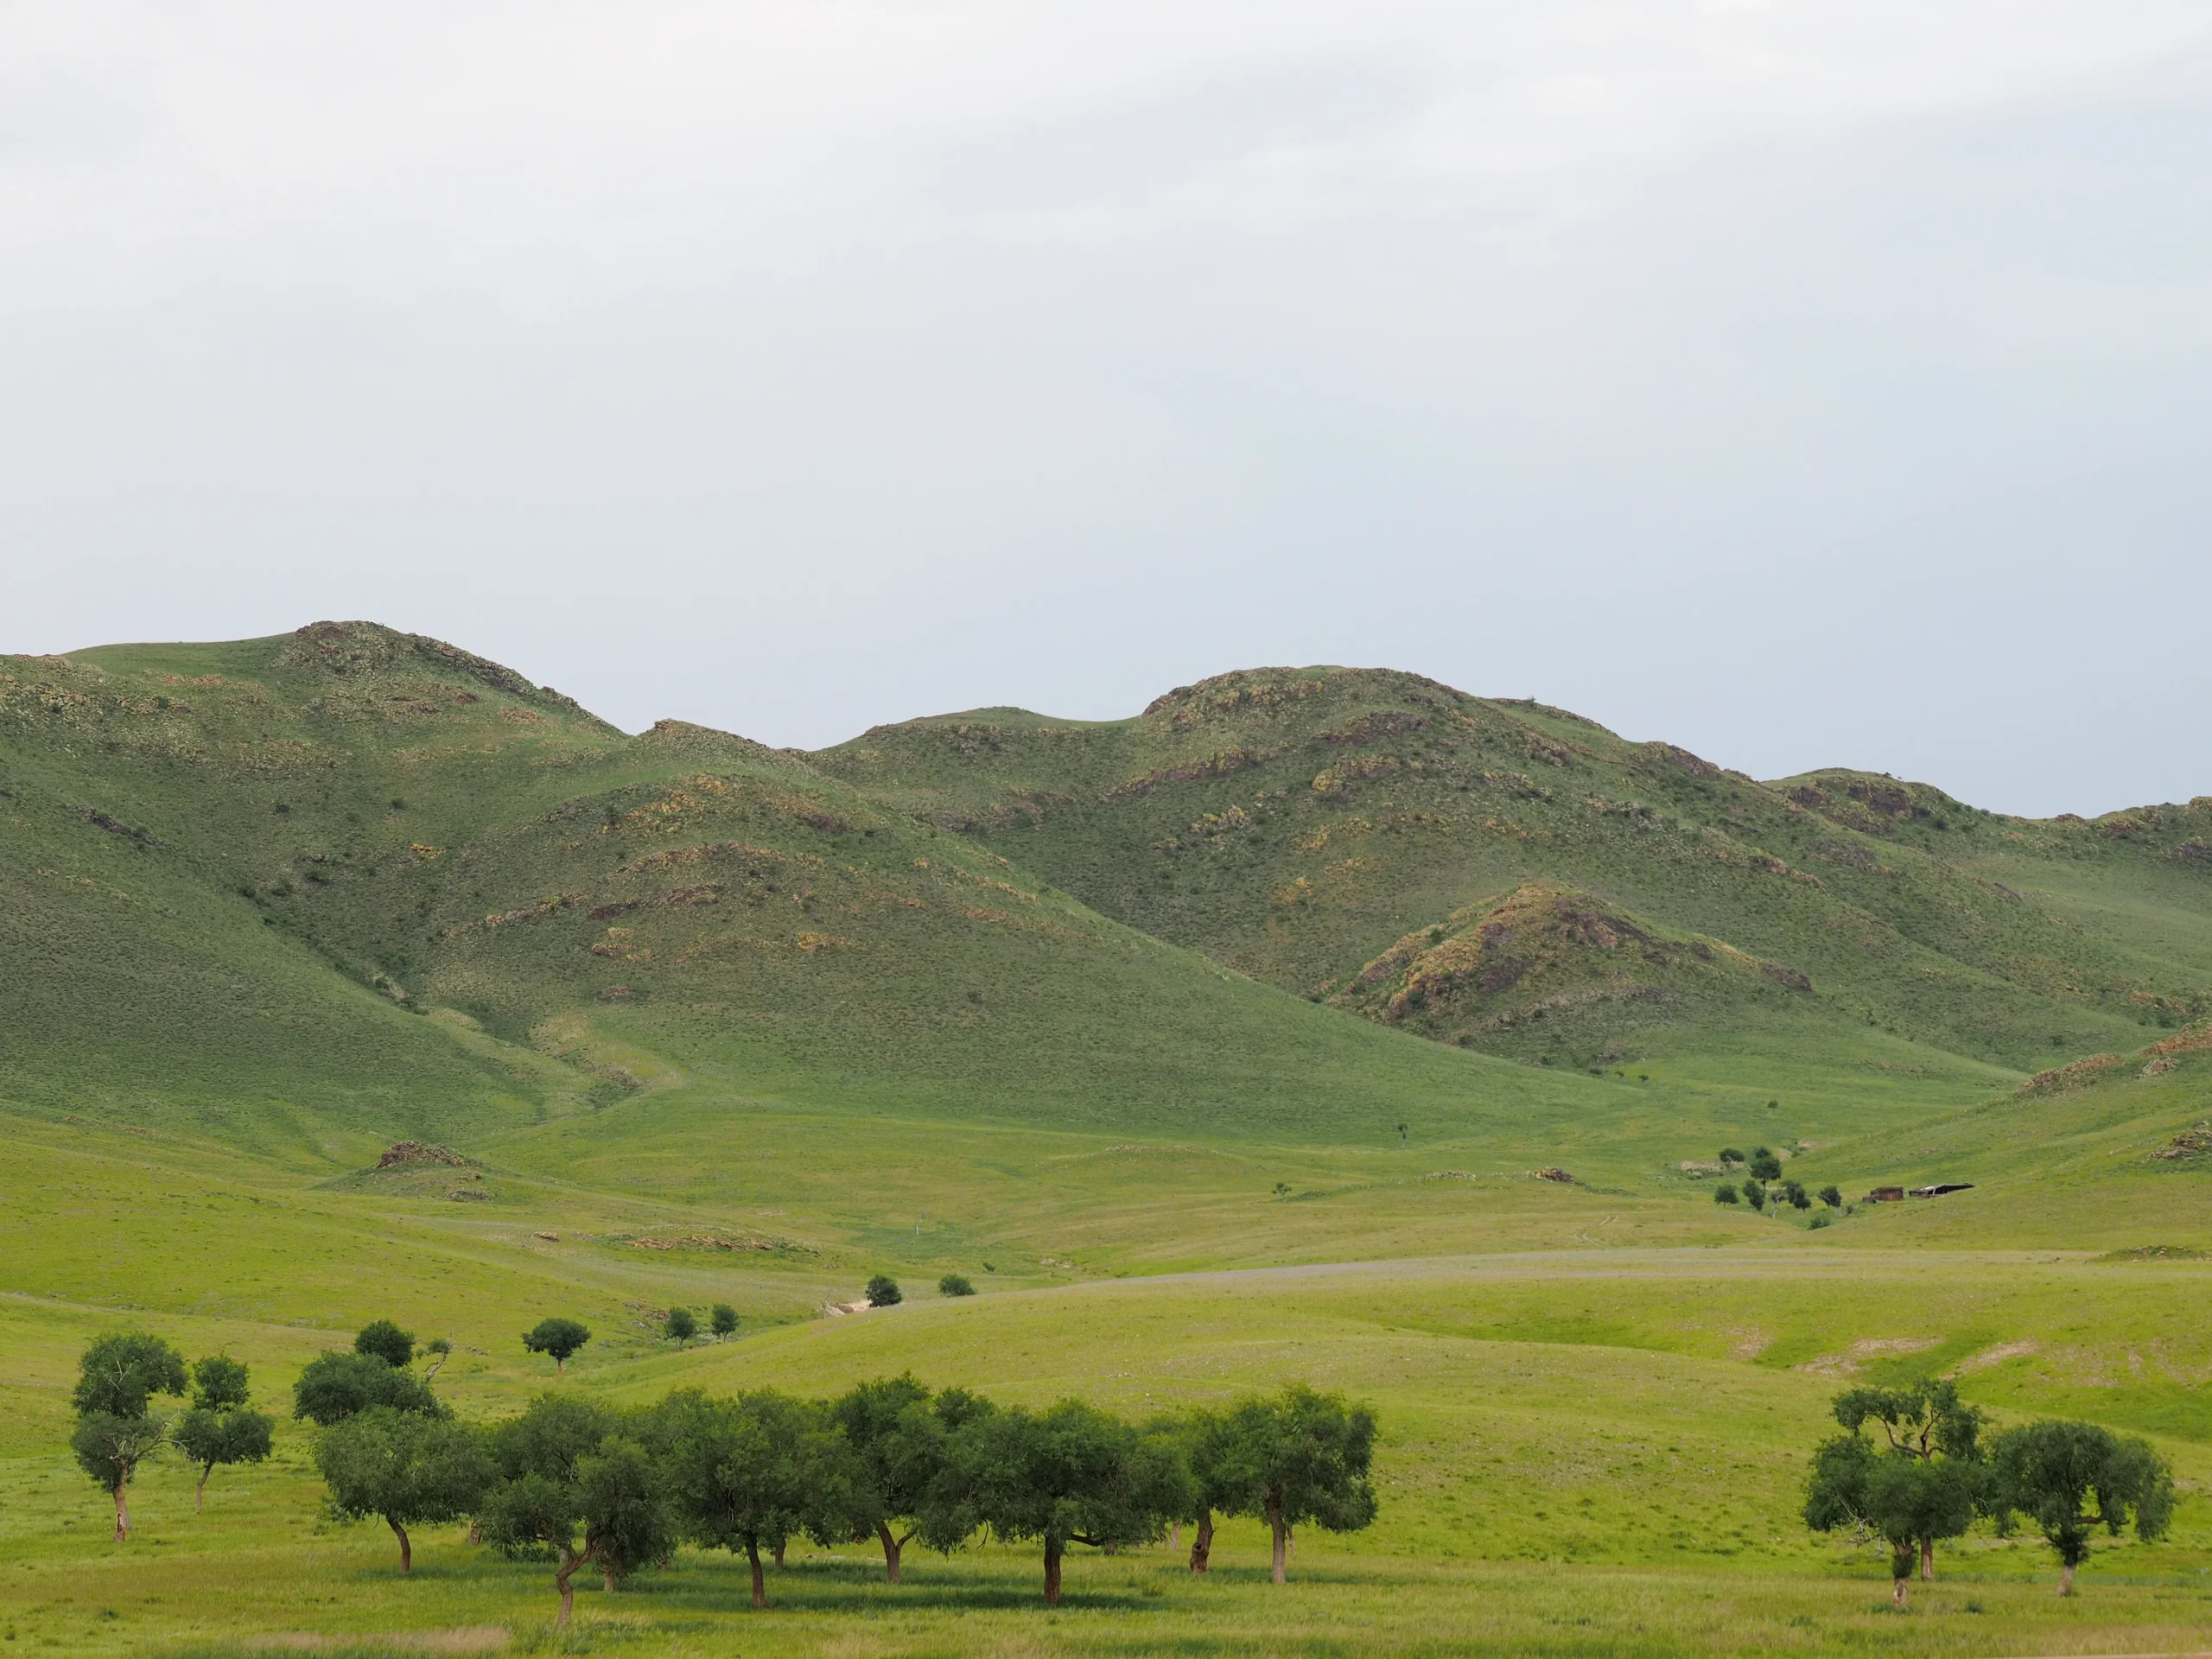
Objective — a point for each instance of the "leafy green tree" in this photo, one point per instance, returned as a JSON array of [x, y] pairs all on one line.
[[220, 1428], [1928, 1422], [883, 1291], [573, 1486], [1765, 1164], [119, 1373], [117, 1376], [722, 1321], [1832, 1197], [1208, 1450], [1725, 1194], [680, 1326], [899, 1437], [1795, 1191], [1897, 1497], [1069, 1475], [558, 1338], [755, 1471], [1297, 1457], [955, 1284], [332, 1387], [2068, 1479], [1755, 1195], [405, 1467], [1730, 1155], [387, 1342]]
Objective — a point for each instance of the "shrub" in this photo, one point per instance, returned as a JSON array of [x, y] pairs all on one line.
[[1730, 1155], [722, 1320], [1832, 1197], [883, 1291], [1765, 1164], [680, 1326], [1724, 1193], [1755, 1195], [955, 1284], [387, 1342]]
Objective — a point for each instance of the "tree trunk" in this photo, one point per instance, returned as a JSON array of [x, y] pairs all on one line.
[[779, 1555], [760, 1584], [1928, 1560], [1052, 1572], [199, 1497], [406, 1549], [1202, 1542], [1896, 1593], [2066, 1578], [891, 1547], [607, 1573], [475, 1528], [122, 1516], [1282, 1538], [569, 1561], [1175, 1538]]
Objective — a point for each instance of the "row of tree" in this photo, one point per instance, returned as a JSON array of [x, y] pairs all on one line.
[[117, 1428], [1932, 1473], [588, 1485]]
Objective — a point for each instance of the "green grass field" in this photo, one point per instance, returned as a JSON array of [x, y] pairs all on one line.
[[711, 1022]]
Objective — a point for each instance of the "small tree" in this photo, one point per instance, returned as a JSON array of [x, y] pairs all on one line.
[[404, 1467], [2070, 1478], [117, 1376], [955, 1284], [751, 1471], [1895, 1496], [1725, 1194], [1795, 1191], [883, 1291], [1755, 1195], [387, 1342], [1730, 1155], [1069, 1474], [681, 1325], [332, 1387], [1928, 1422], [1216, 1481], [898, 1436], [555, 1337], [723, 1320], [1765, 1164], [220, 1428], [572, 1488], [1301, 1456], [1832, 1197]]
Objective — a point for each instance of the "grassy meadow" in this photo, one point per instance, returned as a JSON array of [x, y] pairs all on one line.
[[1316, 1025]]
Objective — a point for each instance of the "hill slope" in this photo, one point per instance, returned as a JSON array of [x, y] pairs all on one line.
[[1303, 824]]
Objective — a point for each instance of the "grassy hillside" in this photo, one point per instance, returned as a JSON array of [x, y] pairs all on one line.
[[1314, 827]]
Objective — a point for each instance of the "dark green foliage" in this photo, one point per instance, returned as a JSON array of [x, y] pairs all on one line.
[[557, 1337], [1925, 1483], [1725, 1194], [109, 1448], [573, 1484], [955, 1284], [209, 1436], [332, 1387], [2070, 1478], [1795, 1191], [883, 1291], [1832, 1197], [1766, 1166], [408, 1468], [753, 1471], [721, 1320], [119, 1373], [681, 1325], [898, 1439], [1730, 1155], [1755, 1195], [1071, 1474], [1294, 1458], [387, 1342], [219, 1384]]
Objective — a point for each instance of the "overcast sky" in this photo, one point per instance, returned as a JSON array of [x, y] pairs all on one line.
[[1807, 383]]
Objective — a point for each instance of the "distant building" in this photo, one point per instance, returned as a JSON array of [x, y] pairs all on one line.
[[1941, 1188], [1886, 1195]]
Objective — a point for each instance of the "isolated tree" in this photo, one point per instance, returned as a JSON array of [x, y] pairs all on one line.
[[1795, 1191], [753, 1471], [955, 1284], [558, 1338], [2070, 1478], [220, 1428], [404, 1467], [883, 1291], [1725, 1194], [332, 1387], [722, 1321], [117, 1376], [1832, 1197], [1730, 1155], [1299, 1457], [1766, 1166], [573, 1487], [681, 1325], [387, 1342], [1069, 1474], [440, 1350], [1928, 1422]]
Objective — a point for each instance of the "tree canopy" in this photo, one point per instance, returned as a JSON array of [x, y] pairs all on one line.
[[332, 1387], [120, 1373], [387, 1342], [1296, 1457], [753, 1471], [406, 1467], [2070, 1478], [557, 1338]]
